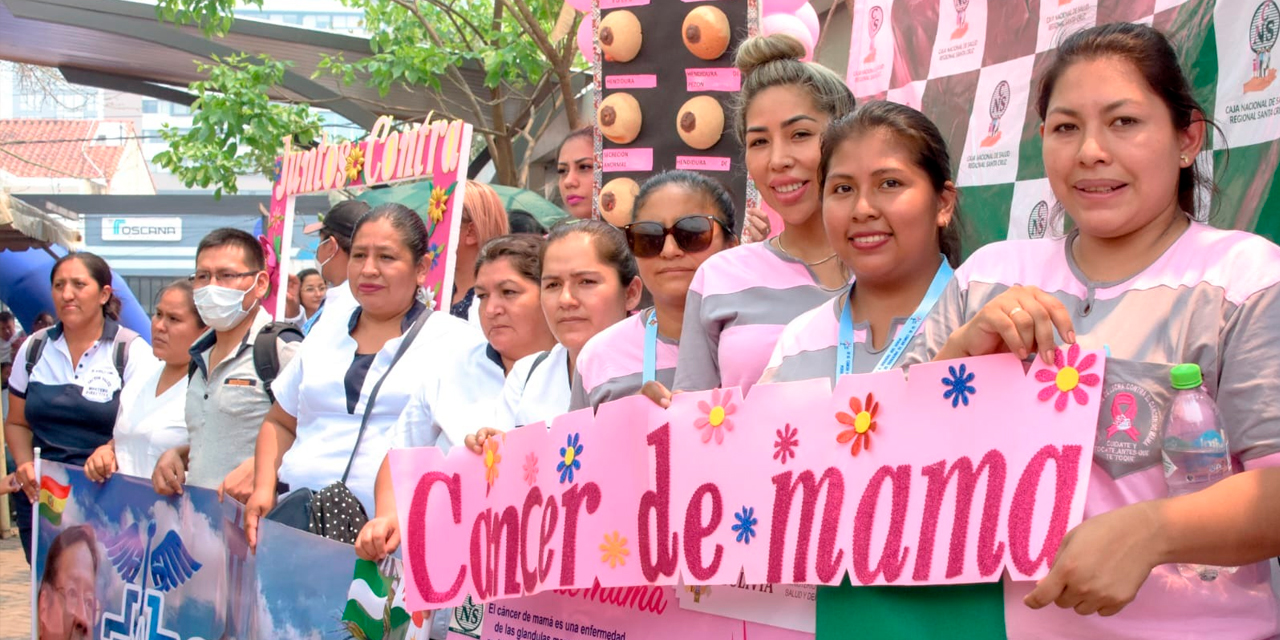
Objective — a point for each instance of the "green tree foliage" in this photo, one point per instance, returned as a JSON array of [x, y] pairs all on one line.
[[525, 49]]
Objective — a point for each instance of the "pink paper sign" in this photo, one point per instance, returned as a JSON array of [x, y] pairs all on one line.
[[713, 79], [436, 152], [619, 4], [635, 613], [960, 471], [702, 163], [628, 160], [638, 81]]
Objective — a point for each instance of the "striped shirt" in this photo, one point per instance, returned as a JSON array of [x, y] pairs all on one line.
[[611, 364], [1212, 299], [739, 302], [807, 348]]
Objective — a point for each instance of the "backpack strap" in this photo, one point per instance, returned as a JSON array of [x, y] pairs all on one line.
[[35, 350], [536, 361], [266, 356], [120, 350]]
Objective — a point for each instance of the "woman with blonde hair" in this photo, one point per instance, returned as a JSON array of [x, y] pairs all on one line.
[[483, 219]]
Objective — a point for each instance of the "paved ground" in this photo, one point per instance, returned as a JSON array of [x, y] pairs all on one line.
[[15, 591]]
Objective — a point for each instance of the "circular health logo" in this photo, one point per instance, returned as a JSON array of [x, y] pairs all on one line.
[[1000, 100], [1265, 27], [1038, 221]]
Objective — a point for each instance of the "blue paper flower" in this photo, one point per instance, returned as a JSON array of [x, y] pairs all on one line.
[[746, 526], [569, 458], [958, 387]]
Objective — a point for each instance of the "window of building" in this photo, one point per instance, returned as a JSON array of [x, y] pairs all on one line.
[[150, 106]]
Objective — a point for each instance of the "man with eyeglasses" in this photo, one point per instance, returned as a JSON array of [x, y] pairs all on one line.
[[226, 397], [68, 603]]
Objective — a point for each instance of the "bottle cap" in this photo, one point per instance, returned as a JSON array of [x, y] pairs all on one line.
[[1185, 376]]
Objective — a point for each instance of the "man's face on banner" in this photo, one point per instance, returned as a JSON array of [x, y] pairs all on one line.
[[68, 609]]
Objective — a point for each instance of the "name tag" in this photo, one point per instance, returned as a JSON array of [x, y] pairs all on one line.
[[240, 382]]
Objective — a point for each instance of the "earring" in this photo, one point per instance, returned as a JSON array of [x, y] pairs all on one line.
[[1183, 158]]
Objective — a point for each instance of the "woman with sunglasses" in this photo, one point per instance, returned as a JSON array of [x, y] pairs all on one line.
[[740, 299], [680, 219]]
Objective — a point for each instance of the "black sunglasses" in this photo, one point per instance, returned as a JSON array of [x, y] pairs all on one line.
[[692, 233]]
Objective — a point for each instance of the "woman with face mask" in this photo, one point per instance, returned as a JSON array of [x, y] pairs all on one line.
[[64, 390]]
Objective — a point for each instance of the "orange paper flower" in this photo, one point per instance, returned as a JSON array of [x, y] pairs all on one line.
[[614, 551], [491, 460], [862, 420]]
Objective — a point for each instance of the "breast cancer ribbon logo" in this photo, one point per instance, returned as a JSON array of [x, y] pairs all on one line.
[[875, 20], [1124, 410], [962, 25], [1264, 29], [1000, 99]]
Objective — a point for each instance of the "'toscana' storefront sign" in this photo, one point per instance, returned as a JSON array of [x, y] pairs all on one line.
[[142, 229]]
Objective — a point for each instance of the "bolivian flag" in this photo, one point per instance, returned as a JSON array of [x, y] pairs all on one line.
[[53, 499]]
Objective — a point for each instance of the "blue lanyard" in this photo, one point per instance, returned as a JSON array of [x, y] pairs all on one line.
[[651, 346], [844, 349]]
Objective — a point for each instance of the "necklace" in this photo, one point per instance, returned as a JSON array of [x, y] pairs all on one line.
[[793, 257]]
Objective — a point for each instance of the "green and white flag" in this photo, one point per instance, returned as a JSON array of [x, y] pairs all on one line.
[[374, 611]]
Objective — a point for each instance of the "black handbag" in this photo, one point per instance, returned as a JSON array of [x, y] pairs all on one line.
[[335, 512]]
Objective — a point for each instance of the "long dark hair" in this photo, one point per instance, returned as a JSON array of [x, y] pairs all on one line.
[[919, 135], [99, 271], [1150, 52]]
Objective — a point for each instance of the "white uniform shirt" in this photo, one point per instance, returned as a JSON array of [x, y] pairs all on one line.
[[537, 395], [447, 408], [312, 388], [339, 304], [149, 424]]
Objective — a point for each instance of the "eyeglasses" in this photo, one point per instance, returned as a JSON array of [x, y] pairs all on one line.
[[202, 278], [87, 602], [692, 234]]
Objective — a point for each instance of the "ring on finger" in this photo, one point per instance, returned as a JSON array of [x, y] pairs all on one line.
[[1015, 310]]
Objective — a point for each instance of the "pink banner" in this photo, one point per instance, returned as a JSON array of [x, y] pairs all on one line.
[[634, 613], [437, 151], [618, 4], [796, 483]]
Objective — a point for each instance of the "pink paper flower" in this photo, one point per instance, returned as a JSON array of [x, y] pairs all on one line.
[[531, 468], [715, 420], [1069, 378]]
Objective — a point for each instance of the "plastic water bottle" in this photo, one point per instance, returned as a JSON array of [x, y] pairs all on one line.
[[1195, 447]]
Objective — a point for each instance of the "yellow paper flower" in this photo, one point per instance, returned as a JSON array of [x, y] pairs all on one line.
[[355, 163], [437, 205]]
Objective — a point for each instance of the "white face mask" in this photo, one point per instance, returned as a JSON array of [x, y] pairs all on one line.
[[320, 265], [221, 308]]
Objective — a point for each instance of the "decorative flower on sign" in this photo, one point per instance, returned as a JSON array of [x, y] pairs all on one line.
[[491, 460], [569, 455], [862, 420], [746, 526], [1069, 377], [786, 443], [355, 163], [531, 468], [614, 551], [715, 421], [436, 207], [433, 253], [958, 385]]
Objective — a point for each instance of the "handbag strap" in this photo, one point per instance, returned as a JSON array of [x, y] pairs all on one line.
[[373, 395]]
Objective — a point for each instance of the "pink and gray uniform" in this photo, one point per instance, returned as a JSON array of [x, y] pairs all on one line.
[[611, 364], [807, 348], [739, 302], [1212, 299]]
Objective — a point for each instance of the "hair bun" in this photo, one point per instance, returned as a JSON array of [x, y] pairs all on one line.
[[761, 50]]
